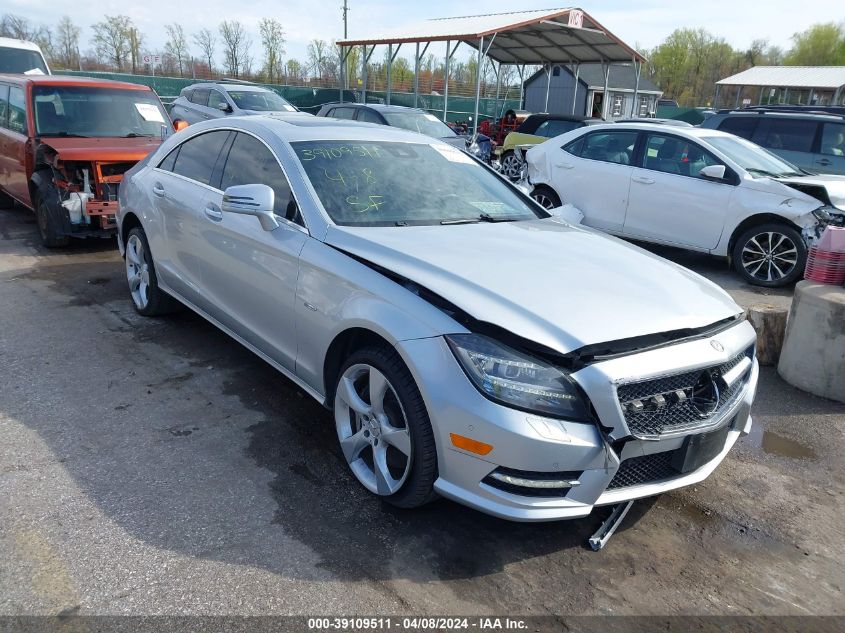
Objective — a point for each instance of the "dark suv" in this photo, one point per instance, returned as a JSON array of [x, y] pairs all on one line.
[[812, 140]]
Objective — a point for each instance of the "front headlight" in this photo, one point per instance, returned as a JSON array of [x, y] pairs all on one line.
[[517, 380], [830, 215]]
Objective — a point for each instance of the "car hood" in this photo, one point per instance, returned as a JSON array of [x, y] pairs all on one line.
[[832, 184], [549, 282], [104, 149]]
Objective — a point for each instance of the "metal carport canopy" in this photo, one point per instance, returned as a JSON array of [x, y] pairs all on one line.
[[521, 38], [554, 36]]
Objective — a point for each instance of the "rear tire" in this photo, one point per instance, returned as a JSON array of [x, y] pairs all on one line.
[[546, 197], [385, 425], [771, 255], [147, 297], [50, 236]]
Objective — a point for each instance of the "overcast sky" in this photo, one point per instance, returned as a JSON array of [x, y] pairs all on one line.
[[643, 22]]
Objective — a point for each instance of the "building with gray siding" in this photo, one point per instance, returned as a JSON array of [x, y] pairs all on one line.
[[589, 99]]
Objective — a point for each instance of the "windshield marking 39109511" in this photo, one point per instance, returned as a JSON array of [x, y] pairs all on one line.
[[403, 184]]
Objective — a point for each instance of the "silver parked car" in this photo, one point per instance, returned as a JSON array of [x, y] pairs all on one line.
[[469, 343], [203, 101]]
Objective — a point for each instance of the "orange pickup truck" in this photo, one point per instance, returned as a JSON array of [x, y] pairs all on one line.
[[65, 143]]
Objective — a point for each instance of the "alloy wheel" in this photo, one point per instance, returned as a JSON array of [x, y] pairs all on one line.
[[769, 256], [511, 166], [373, 429], [543, 200], [137, 272]]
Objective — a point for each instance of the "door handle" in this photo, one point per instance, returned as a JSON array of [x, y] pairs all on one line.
[[643, 180], [564, 165], [212, 212], [823, 161], [158, 190]]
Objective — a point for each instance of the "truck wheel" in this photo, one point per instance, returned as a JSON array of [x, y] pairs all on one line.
[[50, 236], [770, 254], [384, 429], [147, 297]]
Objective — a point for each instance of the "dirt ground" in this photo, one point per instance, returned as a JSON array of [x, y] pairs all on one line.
[[154, 466]]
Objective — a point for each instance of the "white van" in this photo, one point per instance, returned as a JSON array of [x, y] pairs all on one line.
[[22, 57]]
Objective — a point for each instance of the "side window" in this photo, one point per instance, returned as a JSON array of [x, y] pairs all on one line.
[[17, 110], [556, 128], [197, 156], [574, 147], [368, 116], [200, 96], [793, 135], [343, 113], [187, 94], [542, 129], [833, 139], [215, 99], [4, 105], [743, 126], [609, 147], [250, 162], [170, 160], [673, 155]]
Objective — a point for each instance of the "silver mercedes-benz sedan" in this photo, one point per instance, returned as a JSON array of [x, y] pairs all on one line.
[[470, 344]]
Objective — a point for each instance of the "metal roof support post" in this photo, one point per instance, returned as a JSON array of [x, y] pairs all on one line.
[[446, 80], [417, 75], [521, 70], [836, 95], [637, 70], [716, 98], [389, 67], [342, 82], [478, 82], [498, 88], [604, 99], [575, 92], [738, 94], [810, 97], [786, 96], [365, 59], [760, 100], [548, 86]]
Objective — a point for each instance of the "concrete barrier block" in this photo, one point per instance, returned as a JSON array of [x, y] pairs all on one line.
[[813, 354], [770, 324]]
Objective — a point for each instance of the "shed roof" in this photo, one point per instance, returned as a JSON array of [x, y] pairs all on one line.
[[832, 77], [620, 78], [521, 37]]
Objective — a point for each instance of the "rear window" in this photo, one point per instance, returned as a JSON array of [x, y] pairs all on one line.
[[743, 126], [793, 135], [17, 61]]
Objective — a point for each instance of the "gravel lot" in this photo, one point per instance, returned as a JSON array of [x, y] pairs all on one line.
[[153, 466]]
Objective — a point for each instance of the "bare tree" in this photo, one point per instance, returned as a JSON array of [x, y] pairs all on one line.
[[20, 28], [206, 41], [317, 55], [273, 41], [177, 46], [112, 39], [236, 47], [136, 40], [66, 51], [295, 71]]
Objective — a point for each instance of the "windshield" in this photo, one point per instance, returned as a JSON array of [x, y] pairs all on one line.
[[421, 122], [97, 112], [753, 158], [18, 60], [260, 101], [401, 184]]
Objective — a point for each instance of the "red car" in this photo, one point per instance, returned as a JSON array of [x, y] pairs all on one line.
[[65, 143]]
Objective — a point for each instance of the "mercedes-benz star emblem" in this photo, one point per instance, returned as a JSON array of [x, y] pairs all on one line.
[[717, 345], [705, 395]]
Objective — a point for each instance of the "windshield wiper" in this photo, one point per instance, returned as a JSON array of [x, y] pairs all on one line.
[[136, 135], [761, 172], [486, 217], [461, 221]]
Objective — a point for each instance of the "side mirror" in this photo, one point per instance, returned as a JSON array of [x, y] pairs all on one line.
[[257, 200], [179, 125], [224, 107], [713, 172]]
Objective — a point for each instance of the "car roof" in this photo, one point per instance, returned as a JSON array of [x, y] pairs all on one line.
[[11, 42], [64, 80], [559, 117], [292, 127], [678, 130], [227, 86], [783, 114], [381, 107]]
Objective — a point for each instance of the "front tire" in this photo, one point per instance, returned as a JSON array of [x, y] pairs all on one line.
[[147, 297], [771, 254], [50, 236], [384, 429], [511, 166]]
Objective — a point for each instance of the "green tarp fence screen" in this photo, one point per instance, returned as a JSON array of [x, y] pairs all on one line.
[[310, 99]]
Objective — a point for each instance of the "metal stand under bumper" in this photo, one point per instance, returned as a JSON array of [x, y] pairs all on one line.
[[602, 536]]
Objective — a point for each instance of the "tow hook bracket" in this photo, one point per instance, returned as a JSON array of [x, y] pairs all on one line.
[[602, 536]]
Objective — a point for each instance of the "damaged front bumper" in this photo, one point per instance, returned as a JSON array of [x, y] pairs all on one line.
[[813, 224]]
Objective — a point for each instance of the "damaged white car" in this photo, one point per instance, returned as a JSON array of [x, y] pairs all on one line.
[[691, 188]]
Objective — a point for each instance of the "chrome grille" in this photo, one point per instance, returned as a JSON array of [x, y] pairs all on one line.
[[665, 405]]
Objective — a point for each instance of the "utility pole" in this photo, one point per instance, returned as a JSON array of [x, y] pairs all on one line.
[[345, 11], [344, 79]]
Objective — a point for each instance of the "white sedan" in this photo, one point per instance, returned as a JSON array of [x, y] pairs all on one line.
[[691, 188]]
